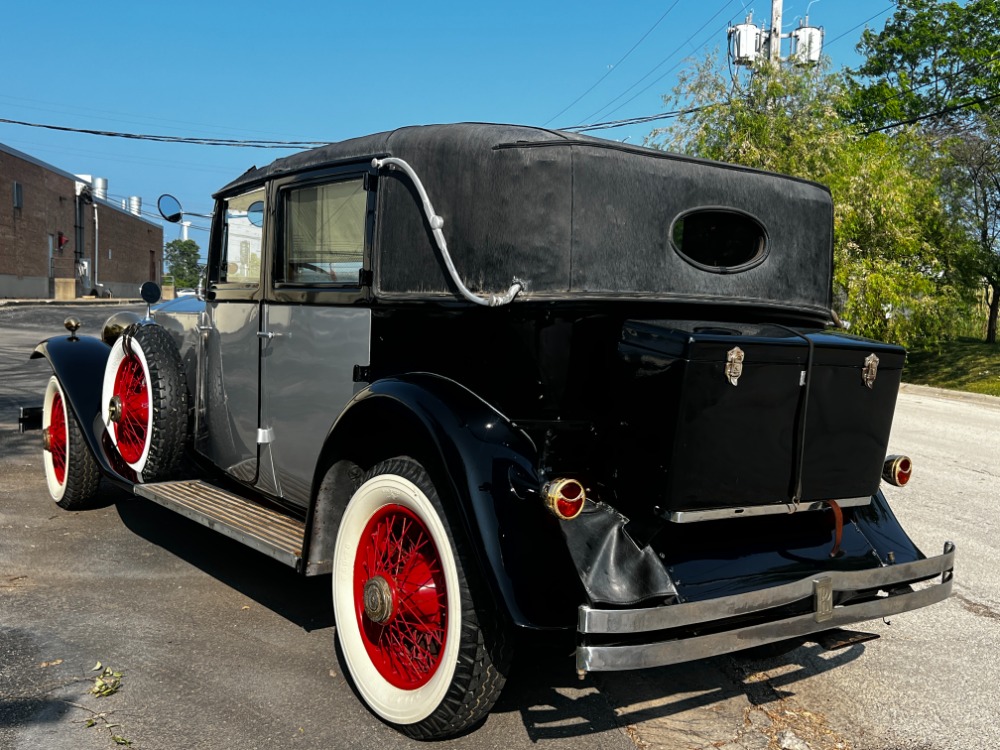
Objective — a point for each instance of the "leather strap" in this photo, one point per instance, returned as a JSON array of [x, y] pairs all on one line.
[[838, 516]]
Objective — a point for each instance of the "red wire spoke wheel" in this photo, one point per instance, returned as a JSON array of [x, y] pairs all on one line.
[[144, 401], [132, 425], [57, 438], [425, 648], [400, 597], [71, 473]]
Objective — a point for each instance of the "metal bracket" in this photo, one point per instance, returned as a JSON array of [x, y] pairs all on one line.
[[734, 364], [870, 371]]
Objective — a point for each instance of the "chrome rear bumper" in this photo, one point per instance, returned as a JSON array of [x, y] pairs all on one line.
[[685, 621]]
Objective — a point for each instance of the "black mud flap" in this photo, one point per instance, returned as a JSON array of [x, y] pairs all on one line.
[[612, 567]]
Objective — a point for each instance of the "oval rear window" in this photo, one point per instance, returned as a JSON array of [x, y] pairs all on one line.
[[719, 240]]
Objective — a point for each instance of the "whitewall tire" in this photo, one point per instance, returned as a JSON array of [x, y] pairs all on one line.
[[406, 619], [71, 473], [144, 402]]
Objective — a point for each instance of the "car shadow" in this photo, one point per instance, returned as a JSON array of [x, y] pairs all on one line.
[[300, 600], [555, 704], [543, 685]]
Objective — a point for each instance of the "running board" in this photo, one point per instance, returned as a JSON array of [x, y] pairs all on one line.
[[263, 529]]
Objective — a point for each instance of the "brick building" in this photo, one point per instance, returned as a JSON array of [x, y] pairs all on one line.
[[61, 237]]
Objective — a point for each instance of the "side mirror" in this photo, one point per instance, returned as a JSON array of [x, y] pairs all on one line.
[[150, 293], [255, 214], [170, 208]]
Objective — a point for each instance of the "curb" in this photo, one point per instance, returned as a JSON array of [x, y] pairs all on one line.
[[926, 390], [84, 301]]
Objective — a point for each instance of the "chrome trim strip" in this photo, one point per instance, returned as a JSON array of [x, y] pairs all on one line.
[[617, 658], [693, 613], [719, 514]]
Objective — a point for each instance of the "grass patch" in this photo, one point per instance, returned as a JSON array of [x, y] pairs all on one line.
[[961, 365]]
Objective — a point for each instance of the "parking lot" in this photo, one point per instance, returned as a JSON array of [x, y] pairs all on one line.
[[219, 646]]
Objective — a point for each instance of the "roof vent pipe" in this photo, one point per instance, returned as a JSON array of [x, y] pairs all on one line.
[[135, 205], [101, 188]]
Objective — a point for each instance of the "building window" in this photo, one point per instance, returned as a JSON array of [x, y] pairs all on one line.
[[18, 196]]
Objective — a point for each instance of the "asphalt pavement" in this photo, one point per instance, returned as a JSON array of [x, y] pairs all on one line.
[[219, 646]]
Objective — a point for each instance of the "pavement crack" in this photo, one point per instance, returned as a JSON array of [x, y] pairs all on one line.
[[978, 609]]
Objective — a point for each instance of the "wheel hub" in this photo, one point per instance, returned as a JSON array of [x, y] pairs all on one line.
[[115, 409], [378, 599]]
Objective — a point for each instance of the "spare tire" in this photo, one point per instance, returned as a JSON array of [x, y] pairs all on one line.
[[145, 401]]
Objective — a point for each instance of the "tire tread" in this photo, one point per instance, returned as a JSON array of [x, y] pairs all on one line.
[[82, 474], [168, 400]]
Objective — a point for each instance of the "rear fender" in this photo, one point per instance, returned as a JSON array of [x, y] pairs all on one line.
[[78, 362], [472, 452], [884, 532]]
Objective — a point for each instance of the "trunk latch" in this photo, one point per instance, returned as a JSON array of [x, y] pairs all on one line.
[[734, 364], [870, 370]]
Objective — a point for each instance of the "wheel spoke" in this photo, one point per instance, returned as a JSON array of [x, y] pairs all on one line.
[[406, 648], [57, 438], [132, 427]]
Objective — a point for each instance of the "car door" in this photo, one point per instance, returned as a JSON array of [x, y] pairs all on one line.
[[316, 321], [227, 412]]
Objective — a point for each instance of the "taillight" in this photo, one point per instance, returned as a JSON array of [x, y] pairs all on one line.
[[565, 498], [897, 470]]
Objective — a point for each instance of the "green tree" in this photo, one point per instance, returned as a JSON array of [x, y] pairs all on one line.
[[975, 194], [931, 57], [897, 276], [180, 258], [938, 64]]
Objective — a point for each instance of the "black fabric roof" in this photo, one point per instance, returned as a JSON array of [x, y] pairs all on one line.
[[575, 215]]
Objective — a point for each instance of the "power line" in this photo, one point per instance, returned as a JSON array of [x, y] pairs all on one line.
[[657, 67], [936, 113], [853, 28], [613, 67], [971, 68], [680, 112], [252, 143], [895, 95], [114, 116], [635, 120]]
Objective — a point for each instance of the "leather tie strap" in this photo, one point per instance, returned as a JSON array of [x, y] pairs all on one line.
[[838, 516]]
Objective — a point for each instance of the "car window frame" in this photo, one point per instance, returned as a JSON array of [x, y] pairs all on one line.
[[235, 290], [324, 293]]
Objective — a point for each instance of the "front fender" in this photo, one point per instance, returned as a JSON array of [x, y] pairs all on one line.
[[488, 467], [78, 362]]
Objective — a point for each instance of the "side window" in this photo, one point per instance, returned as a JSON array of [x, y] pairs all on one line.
[[719, 240], [242, 239], [324, 233]]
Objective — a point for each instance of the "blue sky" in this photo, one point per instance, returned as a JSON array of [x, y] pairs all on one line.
[[325, 71]]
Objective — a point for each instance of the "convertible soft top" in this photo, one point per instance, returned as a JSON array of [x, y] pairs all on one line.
[[571, 215]]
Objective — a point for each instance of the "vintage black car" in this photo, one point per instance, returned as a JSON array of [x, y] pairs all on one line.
[[497, 378]]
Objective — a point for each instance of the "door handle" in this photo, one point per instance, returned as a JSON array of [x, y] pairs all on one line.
[[268, 335]]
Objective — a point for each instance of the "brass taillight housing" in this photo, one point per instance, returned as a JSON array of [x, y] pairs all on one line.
[[564, 498], [897, 470]]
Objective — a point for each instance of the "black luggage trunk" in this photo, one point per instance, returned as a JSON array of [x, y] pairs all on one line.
[[735, 415]]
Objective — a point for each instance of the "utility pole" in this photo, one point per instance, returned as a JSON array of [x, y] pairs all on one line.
[[774, 39]]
